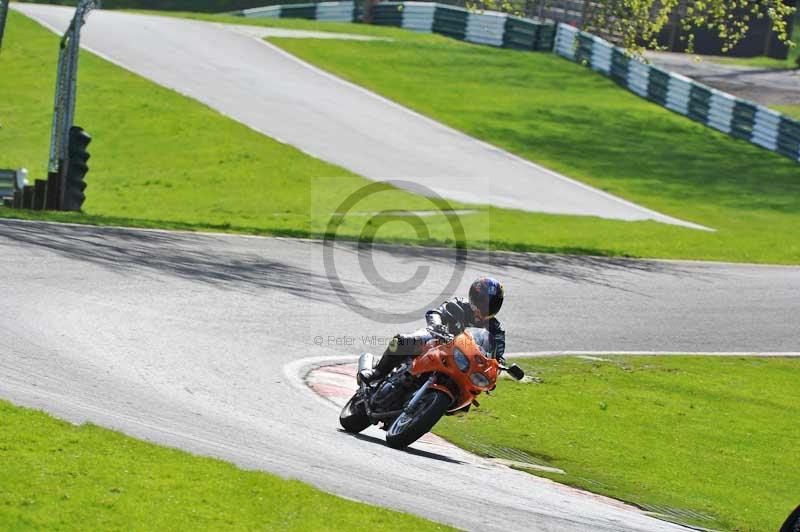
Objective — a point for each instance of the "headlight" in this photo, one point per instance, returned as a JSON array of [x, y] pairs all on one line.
[[479, 379], [461, 360]]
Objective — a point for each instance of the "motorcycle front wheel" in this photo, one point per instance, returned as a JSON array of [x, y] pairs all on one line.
[[353, 417], [409, 427]]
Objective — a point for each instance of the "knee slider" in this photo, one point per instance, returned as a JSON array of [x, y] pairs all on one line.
[[394, 344]]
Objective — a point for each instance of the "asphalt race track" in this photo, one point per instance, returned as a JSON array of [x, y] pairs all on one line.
[[235, 72], [201, 341]]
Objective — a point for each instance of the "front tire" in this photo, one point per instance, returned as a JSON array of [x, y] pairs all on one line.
[[353, 417], [407, 429]]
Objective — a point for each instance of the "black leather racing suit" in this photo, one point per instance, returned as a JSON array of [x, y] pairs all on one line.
[[456, 314]]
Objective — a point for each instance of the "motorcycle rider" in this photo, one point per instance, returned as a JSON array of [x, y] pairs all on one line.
[[451, 317]]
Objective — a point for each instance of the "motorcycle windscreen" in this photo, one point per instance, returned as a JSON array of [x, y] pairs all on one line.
[[483, 340]]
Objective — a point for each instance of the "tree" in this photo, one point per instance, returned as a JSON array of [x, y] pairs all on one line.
[[636, 24]]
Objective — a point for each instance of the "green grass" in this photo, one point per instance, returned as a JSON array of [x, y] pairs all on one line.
[[580, 123], [714, 435], [159, 156], [161, 159], [789, 110], [58, 476]]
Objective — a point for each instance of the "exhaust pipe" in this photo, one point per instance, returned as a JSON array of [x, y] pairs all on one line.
[[366, 361]]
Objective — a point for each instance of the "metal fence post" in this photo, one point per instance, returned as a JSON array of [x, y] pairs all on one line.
[[3, 17], [64, 104]]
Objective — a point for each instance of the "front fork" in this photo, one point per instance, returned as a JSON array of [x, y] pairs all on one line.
[[430, 384], [411, 405]]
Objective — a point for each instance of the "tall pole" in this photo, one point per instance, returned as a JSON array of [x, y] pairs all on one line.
[[64, 104], [3, 17]]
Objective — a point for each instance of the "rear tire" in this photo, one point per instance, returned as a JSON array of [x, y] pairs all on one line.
[[406, 429], [354, 418]]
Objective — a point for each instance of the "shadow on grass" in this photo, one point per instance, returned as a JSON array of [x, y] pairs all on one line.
[[715, 169]]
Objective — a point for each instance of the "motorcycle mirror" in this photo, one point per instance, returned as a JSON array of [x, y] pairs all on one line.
[[516, 372]]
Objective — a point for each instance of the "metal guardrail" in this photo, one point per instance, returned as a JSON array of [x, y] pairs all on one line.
[[327, 11], [480, 27], [739, 118], [11, 180], [12, 183], [736, 117]]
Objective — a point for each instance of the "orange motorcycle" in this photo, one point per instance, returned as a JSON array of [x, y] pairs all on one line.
[[446, 378]]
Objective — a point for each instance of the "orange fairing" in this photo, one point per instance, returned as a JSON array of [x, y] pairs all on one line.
[[480, 375]]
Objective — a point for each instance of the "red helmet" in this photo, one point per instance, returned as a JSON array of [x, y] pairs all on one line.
[[486, 295]]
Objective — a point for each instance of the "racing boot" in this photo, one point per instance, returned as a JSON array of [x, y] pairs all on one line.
[[384, 366], [389, 360]]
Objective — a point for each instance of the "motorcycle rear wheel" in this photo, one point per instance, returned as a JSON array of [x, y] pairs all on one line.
[[353, 418], [407, 429]]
